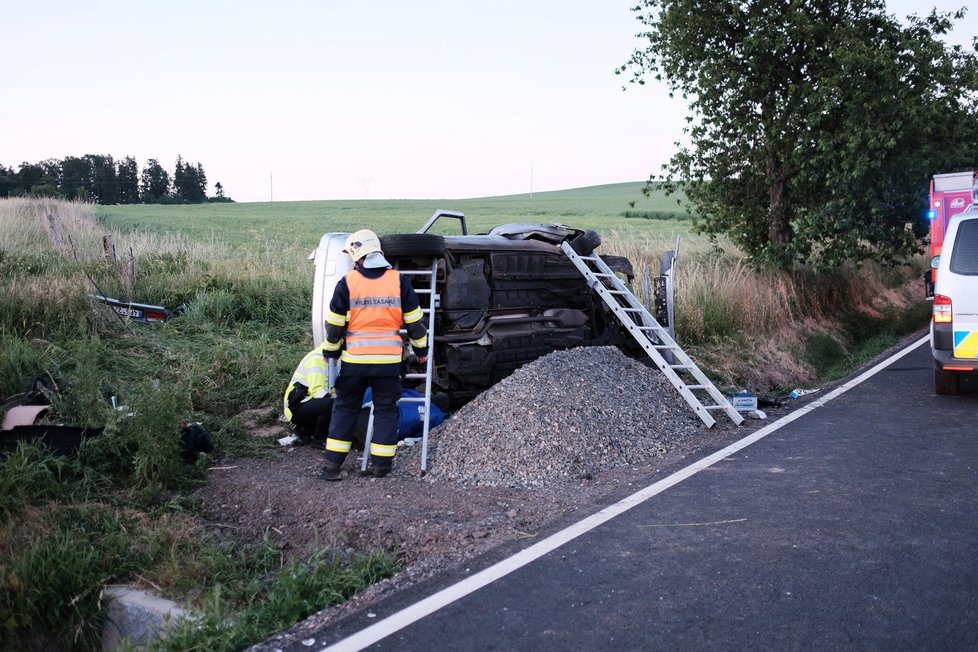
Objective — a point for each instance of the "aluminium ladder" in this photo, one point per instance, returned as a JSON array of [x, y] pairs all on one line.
[[653, 338], [425, 400]]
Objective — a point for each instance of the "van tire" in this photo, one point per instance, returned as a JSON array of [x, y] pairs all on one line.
[[413, 244], [585, 243], [945, 382]]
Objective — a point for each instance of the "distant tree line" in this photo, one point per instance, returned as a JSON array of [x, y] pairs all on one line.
[[101, 179]]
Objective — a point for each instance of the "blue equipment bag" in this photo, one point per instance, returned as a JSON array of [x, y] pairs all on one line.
[[409, 422]]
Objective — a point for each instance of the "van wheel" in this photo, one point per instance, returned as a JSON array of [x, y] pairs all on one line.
[[585, 243], [945, 382], [413, 244]]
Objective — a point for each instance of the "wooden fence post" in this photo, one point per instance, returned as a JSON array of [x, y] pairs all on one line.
[[109, 247]]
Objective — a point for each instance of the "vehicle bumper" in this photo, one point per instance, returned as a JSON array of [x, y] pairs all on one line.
[[945, 359]]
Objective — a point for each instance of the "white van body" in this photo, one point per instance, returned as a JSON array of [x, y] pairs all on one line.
[[330, 264], [954, 328]]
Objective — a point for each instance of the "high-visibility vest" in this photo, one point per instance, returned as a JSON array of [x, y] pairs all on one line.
[[311, 372], [373, 328]]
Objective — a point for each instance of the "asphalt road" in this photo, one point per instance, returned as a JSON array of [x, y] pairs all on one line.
[[851, 527]]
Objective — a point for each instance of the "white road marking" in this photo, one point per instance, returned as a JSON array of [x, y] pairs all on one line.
[[448, 595]]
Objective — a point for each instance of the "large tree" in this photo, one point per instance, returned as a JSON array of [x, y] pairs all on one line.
[[105, 185], [179, 179], [189, 182], [154, 182], [76, 177], [30, 175], [127, 174], [8, 180], [815, 123], [52, 171]]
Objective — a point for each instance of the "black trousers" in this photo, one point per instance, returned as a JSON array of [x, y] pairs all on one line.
[[385, 392], [312, 417]]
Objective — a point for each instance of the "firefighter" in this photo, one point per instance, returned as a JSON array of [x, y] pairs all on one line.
[[308, 404], [368, 308]]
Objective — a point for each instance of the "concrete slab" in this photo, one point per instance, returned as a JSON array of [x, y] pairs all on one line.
[[136, 617]]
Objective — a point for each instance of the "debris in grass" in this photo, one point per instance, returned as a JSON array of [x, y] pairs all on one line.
[[20, 416], [144, 313], [798, 393], [194, 440]]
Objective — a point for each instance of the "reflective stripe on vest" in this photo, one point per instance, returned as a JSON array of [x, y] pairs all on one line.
[[375, 319], [363, 339]]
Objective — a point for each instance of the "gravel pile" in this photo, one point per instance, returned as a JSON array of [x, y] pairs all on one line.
[[565, 416]]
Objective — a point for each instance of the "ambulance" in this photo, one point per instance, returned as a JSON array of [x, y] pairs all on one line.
[[954, 326], [949, 195]]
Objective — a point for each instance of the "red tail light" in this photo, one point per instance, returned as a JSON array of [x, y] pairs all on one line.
[[942, 309]]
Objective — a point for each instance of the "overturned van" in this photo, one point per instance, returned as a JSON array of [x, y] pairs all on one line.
[[502, 298]]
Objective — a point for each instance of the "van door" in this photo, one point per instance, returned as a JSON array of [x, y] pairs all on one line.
[[962, 287]]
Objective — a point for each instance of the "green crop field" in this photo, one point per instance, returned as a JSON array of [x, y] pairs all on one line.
[[301, 224]]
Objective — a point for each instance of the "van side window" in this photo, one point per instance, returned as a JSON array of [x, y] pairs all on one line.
[[964, 257]]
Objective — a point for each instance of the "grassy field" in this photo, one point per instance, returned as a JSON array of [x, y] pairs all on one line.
[[243, 273], [301, 224]]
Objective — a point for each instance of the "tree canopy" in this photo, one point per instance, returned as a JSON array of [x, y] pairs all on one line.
[[815, 124]]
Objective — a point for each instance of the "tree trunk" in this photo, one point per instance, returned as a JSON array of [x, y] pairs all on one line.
[[779, 231]]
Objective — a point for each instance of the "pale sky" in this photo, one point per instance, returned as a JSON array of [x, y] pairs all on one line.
[[305, 100]]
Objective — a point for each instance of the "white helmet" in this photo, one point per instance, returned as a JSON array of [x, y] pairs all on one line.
[[361, 243]]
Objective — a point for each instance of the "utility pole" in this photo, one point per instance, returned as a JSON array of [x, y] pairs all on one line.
[[531, 181], [367, 183], [271, 188]]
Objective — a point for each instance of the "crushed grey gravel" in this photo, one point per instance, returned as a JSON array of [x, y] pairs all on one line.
[[568, 415]]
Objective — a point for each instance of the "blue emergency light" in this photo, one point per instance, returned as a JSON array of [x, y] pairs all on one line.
[[931, 214]]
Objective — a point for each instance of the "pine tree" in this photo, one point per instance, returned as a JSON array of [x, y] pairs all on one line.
[[200, 190], [105, 187], [154, 183], [128, 177], [180, 180], [76, 178]]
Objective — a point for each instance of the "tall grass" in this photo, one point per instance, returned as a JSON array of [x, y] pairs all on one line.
[[771, 329], [48, 595], [245, 325]]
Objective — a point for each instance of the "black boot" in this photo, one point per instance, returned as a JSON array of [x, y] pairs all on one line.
[[377, 471], [331, 471]]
